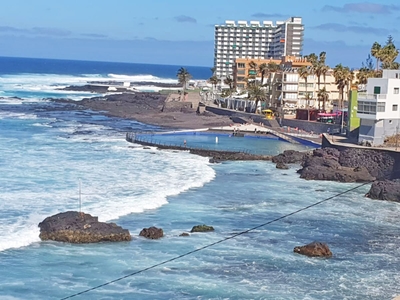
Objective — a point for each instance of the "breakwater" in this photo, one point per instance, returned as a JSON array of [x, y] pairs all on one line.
[[215, 155]]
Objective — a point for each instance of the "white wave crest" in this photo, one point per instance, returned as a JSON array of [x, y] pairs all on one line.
[[141, 78], [116, 181]]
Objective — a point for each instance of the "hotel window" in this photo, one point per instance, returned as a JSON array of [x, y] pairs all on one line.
[[377, 89], [380, 107], [241, 65], [366, 107], [396, 90], [394, 107]]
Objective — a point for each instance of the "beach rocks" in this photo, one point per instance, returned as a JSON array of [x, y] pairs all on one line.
[[184, 234], [289, 157], [152, 233], [75, 227], [202, 228], [378, 163], [281, 166], [385, 190], [314, 249], [324, 164]]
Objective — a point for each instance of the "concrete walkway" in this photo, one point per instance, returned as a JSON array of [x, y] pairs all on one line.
[[244, 128], [343, 141]]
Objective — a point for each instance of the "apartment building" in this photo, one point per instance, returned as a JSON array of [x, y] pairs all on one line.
[[288, 70], [329, 83], [378, 108], [255, 40]]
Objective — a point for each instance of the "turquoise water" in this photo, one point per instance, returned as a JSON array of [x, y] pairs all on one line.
[[45, 150], [262, 144]]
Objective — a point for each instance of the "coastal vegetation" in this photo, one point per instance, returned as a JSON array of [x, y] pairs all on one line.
[[264, 81], [183, 78], [385, 55]]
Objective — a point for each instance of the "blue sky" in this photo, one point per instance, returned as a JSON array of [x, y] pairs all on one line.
[[182, 32]]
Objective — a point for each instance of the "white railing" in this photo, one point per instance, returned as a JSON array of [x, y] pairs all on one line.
[[372, 96]]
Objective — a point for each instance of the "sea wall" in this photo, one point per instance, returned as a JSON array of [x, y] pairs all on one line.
[[238, 115], [216, 155], [307, 126], [315, 127]]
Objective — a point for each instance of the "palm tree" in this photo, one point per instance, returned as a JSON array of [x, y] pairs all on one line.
[[256, 92], [323, 96], [183, 78], [319, 67], [263, 69], [214, 80], [342, 76], [253, 70], [376, 51], [324, 71], [312, 58], [272, 69], [229, 81], [363, 75], [349, 80], [304, 73], [388, 55]]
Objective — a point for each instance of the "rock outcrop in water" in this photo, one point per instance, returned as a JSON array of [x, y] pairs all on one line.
[[385, 190], [349, 165], [324, 164], [289, 157], [75, 227], [314, 249], [152, 233], [202, 228]]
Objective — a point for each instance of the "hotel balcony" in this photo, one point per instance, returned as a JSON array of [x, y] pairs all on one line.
[[372, 107], [371, 97]]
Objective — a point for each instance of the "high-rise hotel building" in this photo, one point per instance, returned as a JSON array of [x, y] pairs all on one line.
[[263, 40]]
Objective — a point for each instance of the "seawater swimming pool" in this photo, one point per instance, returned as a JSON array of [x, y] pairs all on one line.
[[257, 144]]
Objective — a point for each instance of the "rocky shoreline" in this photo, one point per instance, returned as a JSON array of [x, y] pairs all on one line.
[[349, 165], [151, 108]]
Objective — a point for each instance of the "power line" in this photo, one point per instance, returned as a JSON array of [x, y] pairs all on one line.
[[217, 242]]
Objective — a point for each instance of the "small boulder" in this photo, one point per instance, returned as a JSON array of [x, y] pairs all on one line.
[[213, 160], [314, 249], [152, 233], [388, 190], [281, 166], [202, 228], [289, 157], [184, 234], [76, 227]]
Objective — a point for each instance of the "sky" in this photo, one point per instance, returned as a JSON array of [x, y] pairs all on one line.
[[177, 32]]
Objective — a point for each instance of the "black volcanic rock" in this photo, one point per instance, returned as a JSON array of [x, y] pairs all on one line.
[[385, 190], [281, 166], [314, 249], [378, 163], [75, 227], [152, 233], [324, 164], [289, 157], [202, 228]]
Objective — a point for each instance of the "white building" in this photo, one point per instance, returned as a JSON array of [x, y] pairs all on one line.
[[378, 108], [255, 40]]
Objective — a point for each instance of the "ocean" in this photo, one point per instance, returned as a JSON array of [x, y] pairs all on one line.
[[46, 150]]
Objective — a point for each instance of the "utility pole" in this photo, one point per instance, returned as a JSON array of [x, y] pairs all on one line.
[[397, 136], [80, 198]]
